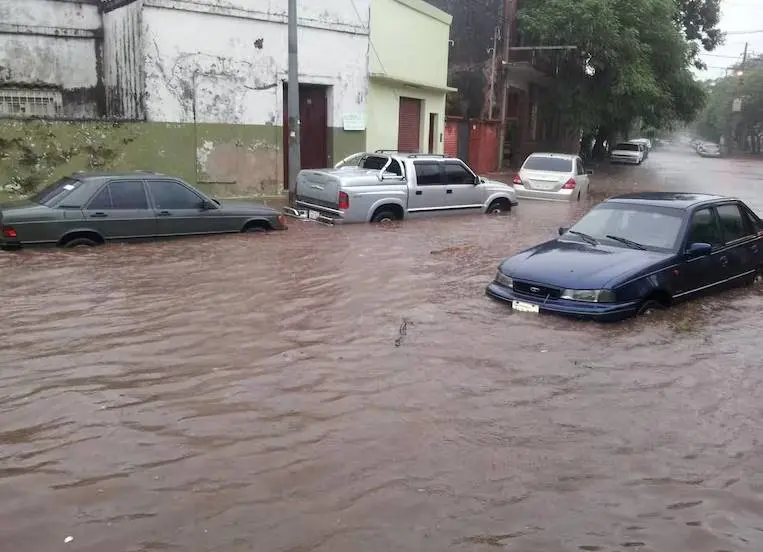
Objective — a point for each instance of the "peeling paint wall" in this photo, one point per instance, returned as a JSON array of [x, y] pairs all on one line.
[[123, 62], [53, 44], [231, 58]]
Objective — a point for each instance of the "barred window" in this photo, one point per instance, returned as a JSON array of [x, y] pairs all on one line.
[[30, 102]]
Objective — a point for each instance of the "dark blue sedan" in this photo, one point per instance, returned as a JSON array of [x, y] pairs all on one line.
[[635, 253]]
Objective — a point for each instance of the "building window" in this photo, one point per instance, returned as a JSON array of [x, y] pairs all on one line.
[[534, 122], [30, 102]]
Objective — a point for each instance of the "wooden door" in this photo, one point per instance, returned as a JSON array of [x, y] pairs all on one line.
[[409, 125], [313, 114]]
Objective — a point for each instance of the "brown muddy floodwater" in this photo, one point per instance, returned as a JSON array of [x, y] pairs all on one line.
[[353, 390]]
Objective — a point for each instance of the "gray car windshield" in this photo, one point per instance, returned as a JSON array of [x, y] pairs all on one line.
[[55, 192], [651, 227], [550, 164]]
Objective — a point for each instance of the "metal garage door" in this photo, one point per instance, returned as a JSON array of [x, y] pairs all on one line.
[[409, 125]]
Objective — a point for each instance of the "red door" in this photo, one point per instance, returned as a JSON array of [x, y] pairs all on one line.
[[313, 114], [409, 125]]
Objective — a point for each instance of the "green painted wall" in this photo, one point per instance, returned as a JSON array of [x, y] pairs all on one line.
[[229, 160]]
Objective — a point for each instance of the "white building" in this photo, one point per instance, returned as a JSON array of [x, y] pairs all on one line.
[[49, 58]]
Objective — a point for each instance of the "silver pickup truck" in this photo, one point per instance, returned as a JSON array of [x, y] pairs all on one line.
[[385, 186]]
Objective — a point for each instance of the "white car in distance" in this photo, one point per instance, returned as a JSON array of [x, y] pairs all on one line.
[[552, 177], [630, 153]]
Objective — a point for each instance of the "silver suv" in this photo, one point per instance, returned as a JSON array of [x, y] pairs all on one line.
[[387, 185]]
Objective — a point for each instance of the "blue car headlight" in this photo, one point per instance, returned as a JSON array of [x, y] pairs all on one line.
[[589, 295], [505, 281]]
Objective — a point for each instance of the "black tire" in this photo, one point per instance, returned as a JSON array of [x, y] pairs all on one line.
[[80, 242], [649, 306], [498, 207], [384, 216]]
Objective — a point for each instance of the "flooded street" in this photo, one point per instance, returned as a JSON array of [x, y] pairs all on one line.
[[352, 389]]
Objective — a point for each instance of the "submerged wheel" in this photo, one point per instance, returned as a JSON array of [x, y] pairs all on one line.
[[498, 207], [384, 217], [80, 242], [649, 307]]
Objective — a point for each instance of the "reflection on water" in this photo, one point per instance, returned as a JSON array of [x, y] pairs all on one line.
[[344, 389]]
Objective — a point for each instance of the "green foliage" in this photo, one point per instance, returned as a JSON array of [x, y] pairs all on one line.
[[717, 117], [632, 59]]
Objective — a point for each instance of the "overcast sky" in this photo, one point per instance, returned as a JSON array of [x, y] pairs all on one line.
[[738, 18]]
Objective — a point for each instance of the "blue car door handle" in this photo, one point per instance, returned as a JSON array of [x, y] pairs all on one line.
[[754, 248], [724, 261]]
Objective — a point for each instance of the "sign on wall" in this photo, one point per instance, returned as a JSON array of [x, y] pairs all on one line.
[[353, 121]]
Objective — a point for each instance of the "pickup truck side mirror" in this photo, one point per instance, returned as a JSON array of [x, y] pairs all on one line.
[[563, 230]]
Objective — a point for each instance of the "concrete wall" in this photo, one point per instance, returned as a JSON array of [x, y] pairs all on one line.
[[123, 62], [410, 39], [232, 58], [53, 44], [383, 108], [409, 59]]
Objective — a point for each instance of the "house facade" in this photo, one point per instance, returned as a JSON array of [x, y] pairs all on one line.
[[198, 88], [228, 70], [50, 52], [408, 73]]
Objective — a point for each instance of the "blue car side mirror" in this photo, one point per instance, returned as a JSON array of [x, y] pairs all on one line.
[[699, 249]]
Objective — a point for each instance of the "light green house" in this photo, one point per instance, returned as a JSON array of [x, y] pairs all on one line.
[[408, 74]]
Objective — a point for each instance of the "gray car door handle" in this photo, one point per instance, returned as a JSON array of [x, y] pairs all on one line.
[[164, 213], [448, 191], [99, 215], [418, 192]]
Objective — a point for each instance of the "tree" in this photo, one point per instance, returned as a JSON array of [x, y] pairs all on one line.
[[699, 20], [717, 118], [632, 61]]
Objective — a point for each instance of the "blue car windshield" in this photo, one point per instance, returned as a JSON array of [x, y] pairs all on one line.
[[652, 227]]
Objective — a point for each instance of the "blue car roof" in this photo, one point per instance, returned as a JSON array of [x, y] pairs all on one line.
[[676, 200]]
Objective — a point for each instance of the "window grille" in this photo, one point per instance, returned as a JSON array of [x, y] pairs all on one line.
[[30, 102]]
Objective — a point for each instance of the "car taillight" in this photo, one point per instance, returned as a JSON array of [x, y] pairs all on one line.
[[344, 200], [516, 180], [9, 232], [570, 184]]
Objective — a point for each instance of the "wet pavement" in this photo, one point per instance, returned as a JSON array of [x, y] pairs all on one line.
[[352, 389]]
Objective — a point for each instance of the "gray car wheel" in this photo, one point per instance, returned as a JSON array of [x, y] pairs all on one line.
[[80, 242]]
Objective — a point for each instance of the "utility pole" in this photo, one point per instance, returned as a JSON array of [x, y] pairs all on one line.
[[508, 17], [736, 104], [295, 162], [491, 99]]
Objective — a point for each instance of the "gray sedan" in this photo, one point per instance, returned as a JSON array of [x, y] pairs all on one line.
[[91, 209]]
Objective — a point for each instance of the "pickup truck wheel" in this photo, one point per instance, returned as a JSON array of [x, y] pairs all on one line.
[[384, 217], [498, 207]]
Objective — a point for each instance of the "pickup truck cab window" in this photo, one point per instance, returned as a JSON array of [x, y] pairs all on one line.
[[456, 173], [377, 162], [428, 173]]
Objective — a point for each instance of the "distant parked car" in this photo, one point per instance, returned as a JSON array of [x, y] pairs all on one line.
[[708, 149], [387, 185], [552, 176], [627, 152], [636, 253], [644, 142], [88, 209]]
